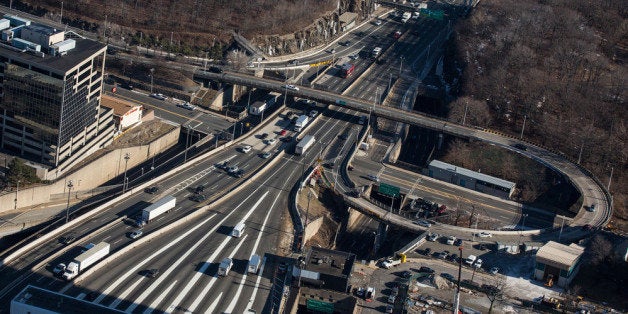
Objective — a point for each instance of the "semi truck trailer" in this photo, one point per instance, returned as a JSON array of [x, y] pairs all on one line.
[[159, 207], [86, 259], [304, 144]]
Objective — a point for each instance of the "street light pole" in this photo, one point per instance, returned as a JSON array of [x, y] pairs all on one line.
[[152, 72], [307, 212], [400, 65], [560, 234], [67, 209], [525, 116], [523, 225], [466, 108], [17, 189], [127, 156], [457, 296]]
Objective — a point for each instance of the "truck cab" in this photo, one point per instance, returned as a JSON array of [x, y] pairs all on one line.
[[225, 266], [238, 230]]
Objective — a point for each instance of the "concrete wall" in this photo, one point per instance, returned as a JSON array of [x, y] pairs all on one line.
[[91, 176], [312, 228]]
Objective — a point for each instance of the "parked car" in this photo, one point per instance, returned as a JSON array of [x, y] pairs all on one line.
[[313, 113], [283, 132], [484, 234], [432, 237], [478, 263], [136, 234], [458, 242], [186, 105], [406, 274], [447, 276], [451, 240], [271, 141], [263, 136], [443, 254], [427, 251], [494, 270], [453, 257], [425, 269]]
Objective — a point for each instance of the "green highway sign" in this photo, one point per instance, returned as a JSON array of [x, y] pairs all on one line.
[[435, 14], [319, 306], [388, 189]]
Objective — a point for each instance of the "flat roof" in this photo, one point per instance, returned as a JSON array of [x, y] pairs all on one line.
[[84, 49], [472, 174], [559, 255], [32, 296], [120, 106], [325, 261]]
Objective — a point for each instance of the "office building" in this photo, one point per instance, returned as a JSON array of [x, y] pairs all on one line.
[[50, 91]]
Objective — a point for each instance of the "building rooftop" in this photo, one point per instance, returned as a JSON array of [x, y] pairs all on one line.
[[120, 107], [559, 255], [54, 302], [330, 262], [348, 17], [60, 63], [472, 174], [342, 302]]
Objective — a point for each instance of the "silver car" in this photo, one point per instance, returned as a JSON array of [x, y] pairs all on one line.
[[423, 223]]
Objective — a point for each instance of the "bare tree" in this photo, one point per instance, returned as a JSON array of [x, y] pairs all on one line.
[[496, 290], [237, 59]]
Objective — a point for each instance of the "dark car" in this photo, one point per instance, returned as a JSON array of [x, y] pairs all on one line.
[[427, 251], [263, 136], [458, 242], [453, 257], [67, 239], [406, 274], [198, 198], [520, 146], [425, 269], [151, 273], [199, 189], [152, 190], [215, 70]]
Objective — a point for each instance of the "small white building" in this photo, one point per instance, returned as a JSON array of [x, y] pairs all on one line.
[[470, 179], [559, 261], [126, 114]]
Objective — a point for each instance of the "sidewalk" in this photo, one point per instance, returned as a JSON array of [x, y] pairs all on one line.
[[15, 221]]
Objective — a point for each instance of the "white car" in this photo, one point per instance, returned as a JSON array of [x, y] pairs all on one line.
[[291, 87], [432, 237], [484, 234], [136, 234], [246, 148], [159, 96], [271, 141], [59, 269], [232, 169], [451, 240], [186, 105], [378, 22], [373, 177], [313, 113], [478, 263], [423, 223]]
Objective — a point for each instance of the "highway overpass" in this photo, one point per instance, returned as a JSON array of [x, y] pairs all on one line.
[[592, 190]]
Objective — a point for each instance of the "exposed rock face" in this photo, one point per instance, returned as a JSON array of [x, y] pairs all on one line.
[[318, 33]]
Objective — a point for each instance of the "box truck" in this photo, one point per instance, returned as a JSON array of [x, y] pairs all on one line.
[[224, 267], [159, 207], [301, 122], [304, 144], [258, 107], [86, 259], [254, 264]]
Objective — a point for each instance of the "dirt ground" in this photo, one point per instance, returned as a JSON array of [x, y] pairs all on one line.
[[327, 232]]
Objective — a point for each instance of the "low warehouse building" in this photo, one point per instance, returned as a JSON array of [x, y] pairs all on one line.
[[470, 179], [557, 263]]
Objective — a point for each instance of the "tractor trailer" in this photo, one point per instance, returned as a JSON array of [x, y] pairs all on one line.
[[86, 259], [159, 207], [301, 122], [304, 144]]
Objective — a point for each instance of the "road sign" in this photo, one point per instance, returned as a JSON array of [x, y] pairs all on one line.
[[388, 189], [319, 306], [435, 14]]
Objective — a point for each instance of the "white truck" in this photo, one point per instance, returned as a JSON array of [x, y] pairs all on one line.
[[225, 266], [301, 122], [390, 263], [254, 264], [258, 107], [159, 207], [405, 17], [304, 144], [238, 230], [470, 260], [86, 259]]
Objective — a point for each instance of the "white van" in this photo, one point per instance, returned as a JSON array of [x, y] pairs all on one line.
[[238, 230], [470, 260], [254, 264]]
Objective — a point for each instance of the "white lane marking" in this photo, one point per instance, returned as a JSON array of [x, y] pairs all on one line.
[[123, 296], [107, 237], [203, 293], [160, 298], [197, 276], [81, 296], [213, 306], [114, 242], [68, 286], [141, 263], [39, 279], [235, 299], [257, 282]]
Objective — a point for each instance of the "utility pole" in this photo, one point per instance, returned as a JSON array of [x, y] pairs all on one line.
[[67, 209], [457, 293], [17, 189], [152, 74], [524, 126], [127, 156]]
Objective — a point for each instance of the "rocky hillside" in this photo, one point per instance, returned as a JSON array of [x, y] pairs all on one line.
[[194, 27]]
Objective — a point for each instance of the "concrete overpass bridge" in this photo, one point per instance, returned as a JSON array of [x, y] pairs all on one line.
[[592, 190]]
